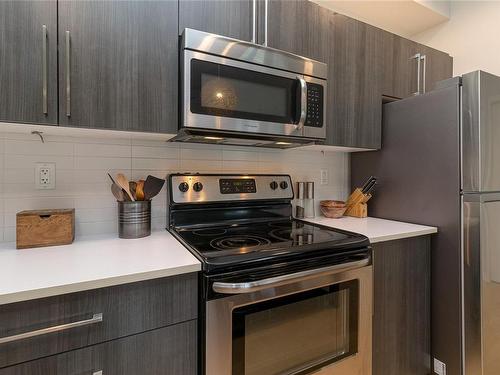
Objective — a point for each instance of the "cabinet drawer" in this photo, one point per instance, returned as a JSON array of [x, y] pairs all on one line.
[[171, 351], [73, 321]]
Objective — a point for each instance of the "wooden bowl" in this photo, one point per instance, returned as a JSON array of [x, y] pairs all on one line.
[[333, 209]]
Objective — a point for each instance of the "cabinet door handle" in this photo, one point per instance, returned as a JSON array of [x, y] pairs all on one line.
[[424, 71], [96, 318], [417, 57], [266, 10], [44, 71], [254, 21], [68, 73]]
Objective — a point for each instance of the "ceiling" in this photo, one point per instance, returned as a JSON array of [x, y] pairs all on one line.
[[402, 17]]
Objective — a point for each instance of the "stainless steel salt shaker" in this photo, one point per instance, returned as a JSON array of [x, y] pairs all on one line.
[[299, 200]]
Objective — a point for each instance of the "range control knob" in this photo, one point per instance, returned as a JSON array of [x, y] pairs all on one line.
[[198, 186], [283, 184], [274, 185], [183, 186]]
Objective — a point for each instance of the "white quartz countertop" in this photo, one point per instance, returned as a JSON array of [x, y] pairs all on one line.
[[377, 230], [89, 263]]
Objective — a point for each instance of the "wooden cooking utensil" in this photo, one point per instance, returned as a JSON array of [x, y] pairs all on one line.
[[112, 179], [117, 192], [139, 190], [152, 187], [122, 181], [133, 185]]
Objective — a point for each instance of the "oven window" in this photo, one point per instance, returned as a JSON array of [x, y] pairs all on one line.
[[222, 90], [297, 334]]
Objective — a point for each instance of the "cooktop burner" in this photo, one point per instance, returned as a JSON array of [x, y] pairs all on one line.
[[239, 239], [238, 242]]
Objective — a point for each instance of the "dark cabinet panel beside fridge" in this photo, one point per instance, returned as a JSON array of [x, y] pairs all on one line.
[[439, 166]]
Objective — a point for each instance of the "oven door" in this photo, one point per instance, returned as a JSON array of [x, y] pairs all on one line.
[[316, 321], [231, 95]]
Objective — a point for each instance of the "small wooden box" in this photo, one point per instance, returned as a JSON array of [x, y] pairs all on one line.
[[45, 228]]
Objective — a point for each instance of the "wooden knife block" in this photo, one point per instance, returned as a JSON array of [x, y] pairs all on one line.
[[356, 204]]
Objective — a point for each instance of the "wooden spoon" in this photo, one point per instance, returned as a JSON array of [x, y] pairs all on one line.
[[122, 181], [152, 187], [139, 190]]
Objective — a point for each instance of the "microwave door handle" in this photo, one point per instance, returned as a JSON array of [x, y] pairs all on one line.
[[303, 103], [253, 286]]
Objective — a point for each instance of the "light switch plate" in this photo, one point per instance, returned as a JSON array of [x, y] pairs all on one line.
[[324, 177], [439, 367]]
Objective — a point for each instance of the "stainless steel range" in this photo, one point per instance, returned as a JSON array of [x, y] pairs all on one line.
[[278, 295]]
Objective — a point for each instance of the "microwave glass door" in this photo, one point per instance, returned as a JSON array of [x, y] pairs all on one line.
[[229, 91], [296, 334]]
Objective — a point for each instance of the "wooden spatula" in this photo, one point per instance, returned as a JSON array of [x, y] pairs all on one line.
[[122, 181], [152, 187]]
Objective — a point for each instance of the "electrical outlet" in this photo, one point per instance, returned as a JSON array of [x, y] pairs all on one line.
[[45, 176], [439, 367], [324, 177]]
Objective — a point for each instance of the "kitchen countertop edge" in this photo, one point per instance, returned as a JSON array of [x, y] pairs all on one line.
[[376, 229], [167, 257]]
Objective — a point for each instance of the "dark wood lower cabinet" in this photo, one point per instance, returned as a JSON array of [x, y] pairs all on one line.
[[126, 310], [401, 318], [169, 351]]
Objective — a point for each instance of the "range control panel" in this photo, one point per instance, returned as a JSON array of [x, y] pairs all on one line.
[[196, 188], [237, 185], [315, 99]]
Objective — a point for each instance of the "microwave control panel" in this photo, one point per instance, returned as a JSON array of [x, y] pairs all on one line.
[[314, 105]]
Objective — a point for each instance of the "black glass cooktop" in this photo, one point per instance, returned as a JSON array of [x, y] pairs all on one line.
[[242, 242]]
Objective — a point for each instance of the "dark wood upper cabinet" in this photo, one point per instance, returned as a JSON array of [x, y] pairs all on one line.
[[358, 75], [28, 61], [417, 68], [234, 19], [405, 78], [438, 66], [300, 27], [118, 63]]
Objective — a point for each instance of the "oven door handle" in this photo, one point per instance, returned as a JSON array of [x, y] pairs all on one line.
[[303, 103], [253, 286]]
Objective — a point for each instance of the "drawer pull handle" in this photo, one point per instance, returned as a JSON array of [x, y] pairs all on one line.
[[97, 318]]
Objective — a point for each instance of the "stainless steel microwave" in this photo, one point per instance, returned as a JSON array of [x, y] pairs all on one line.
[[236, 92]]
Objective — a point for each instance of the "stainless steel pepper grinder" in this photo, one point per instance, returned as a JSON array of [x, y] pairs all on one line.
[[309, 205]]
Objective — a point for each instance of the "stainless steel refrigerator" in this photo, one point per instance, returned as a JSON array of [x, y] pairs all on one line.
[[440, 165]]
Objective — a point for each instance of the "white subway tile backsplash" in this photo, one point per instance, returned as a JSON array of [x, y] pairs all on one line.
[[13, 205], [155, 164], [82, 164], [28, 161], [201, 154], [106, 150], [161, 151], [102, 163], [35, 147]]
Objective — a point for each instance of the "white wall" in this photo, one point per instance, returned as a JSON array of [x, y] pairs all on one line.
[[471, 36], [83, 161]]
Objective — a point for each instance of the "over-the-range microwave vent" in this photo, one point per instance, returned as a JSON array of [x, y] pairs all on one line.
[[238, 139]]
